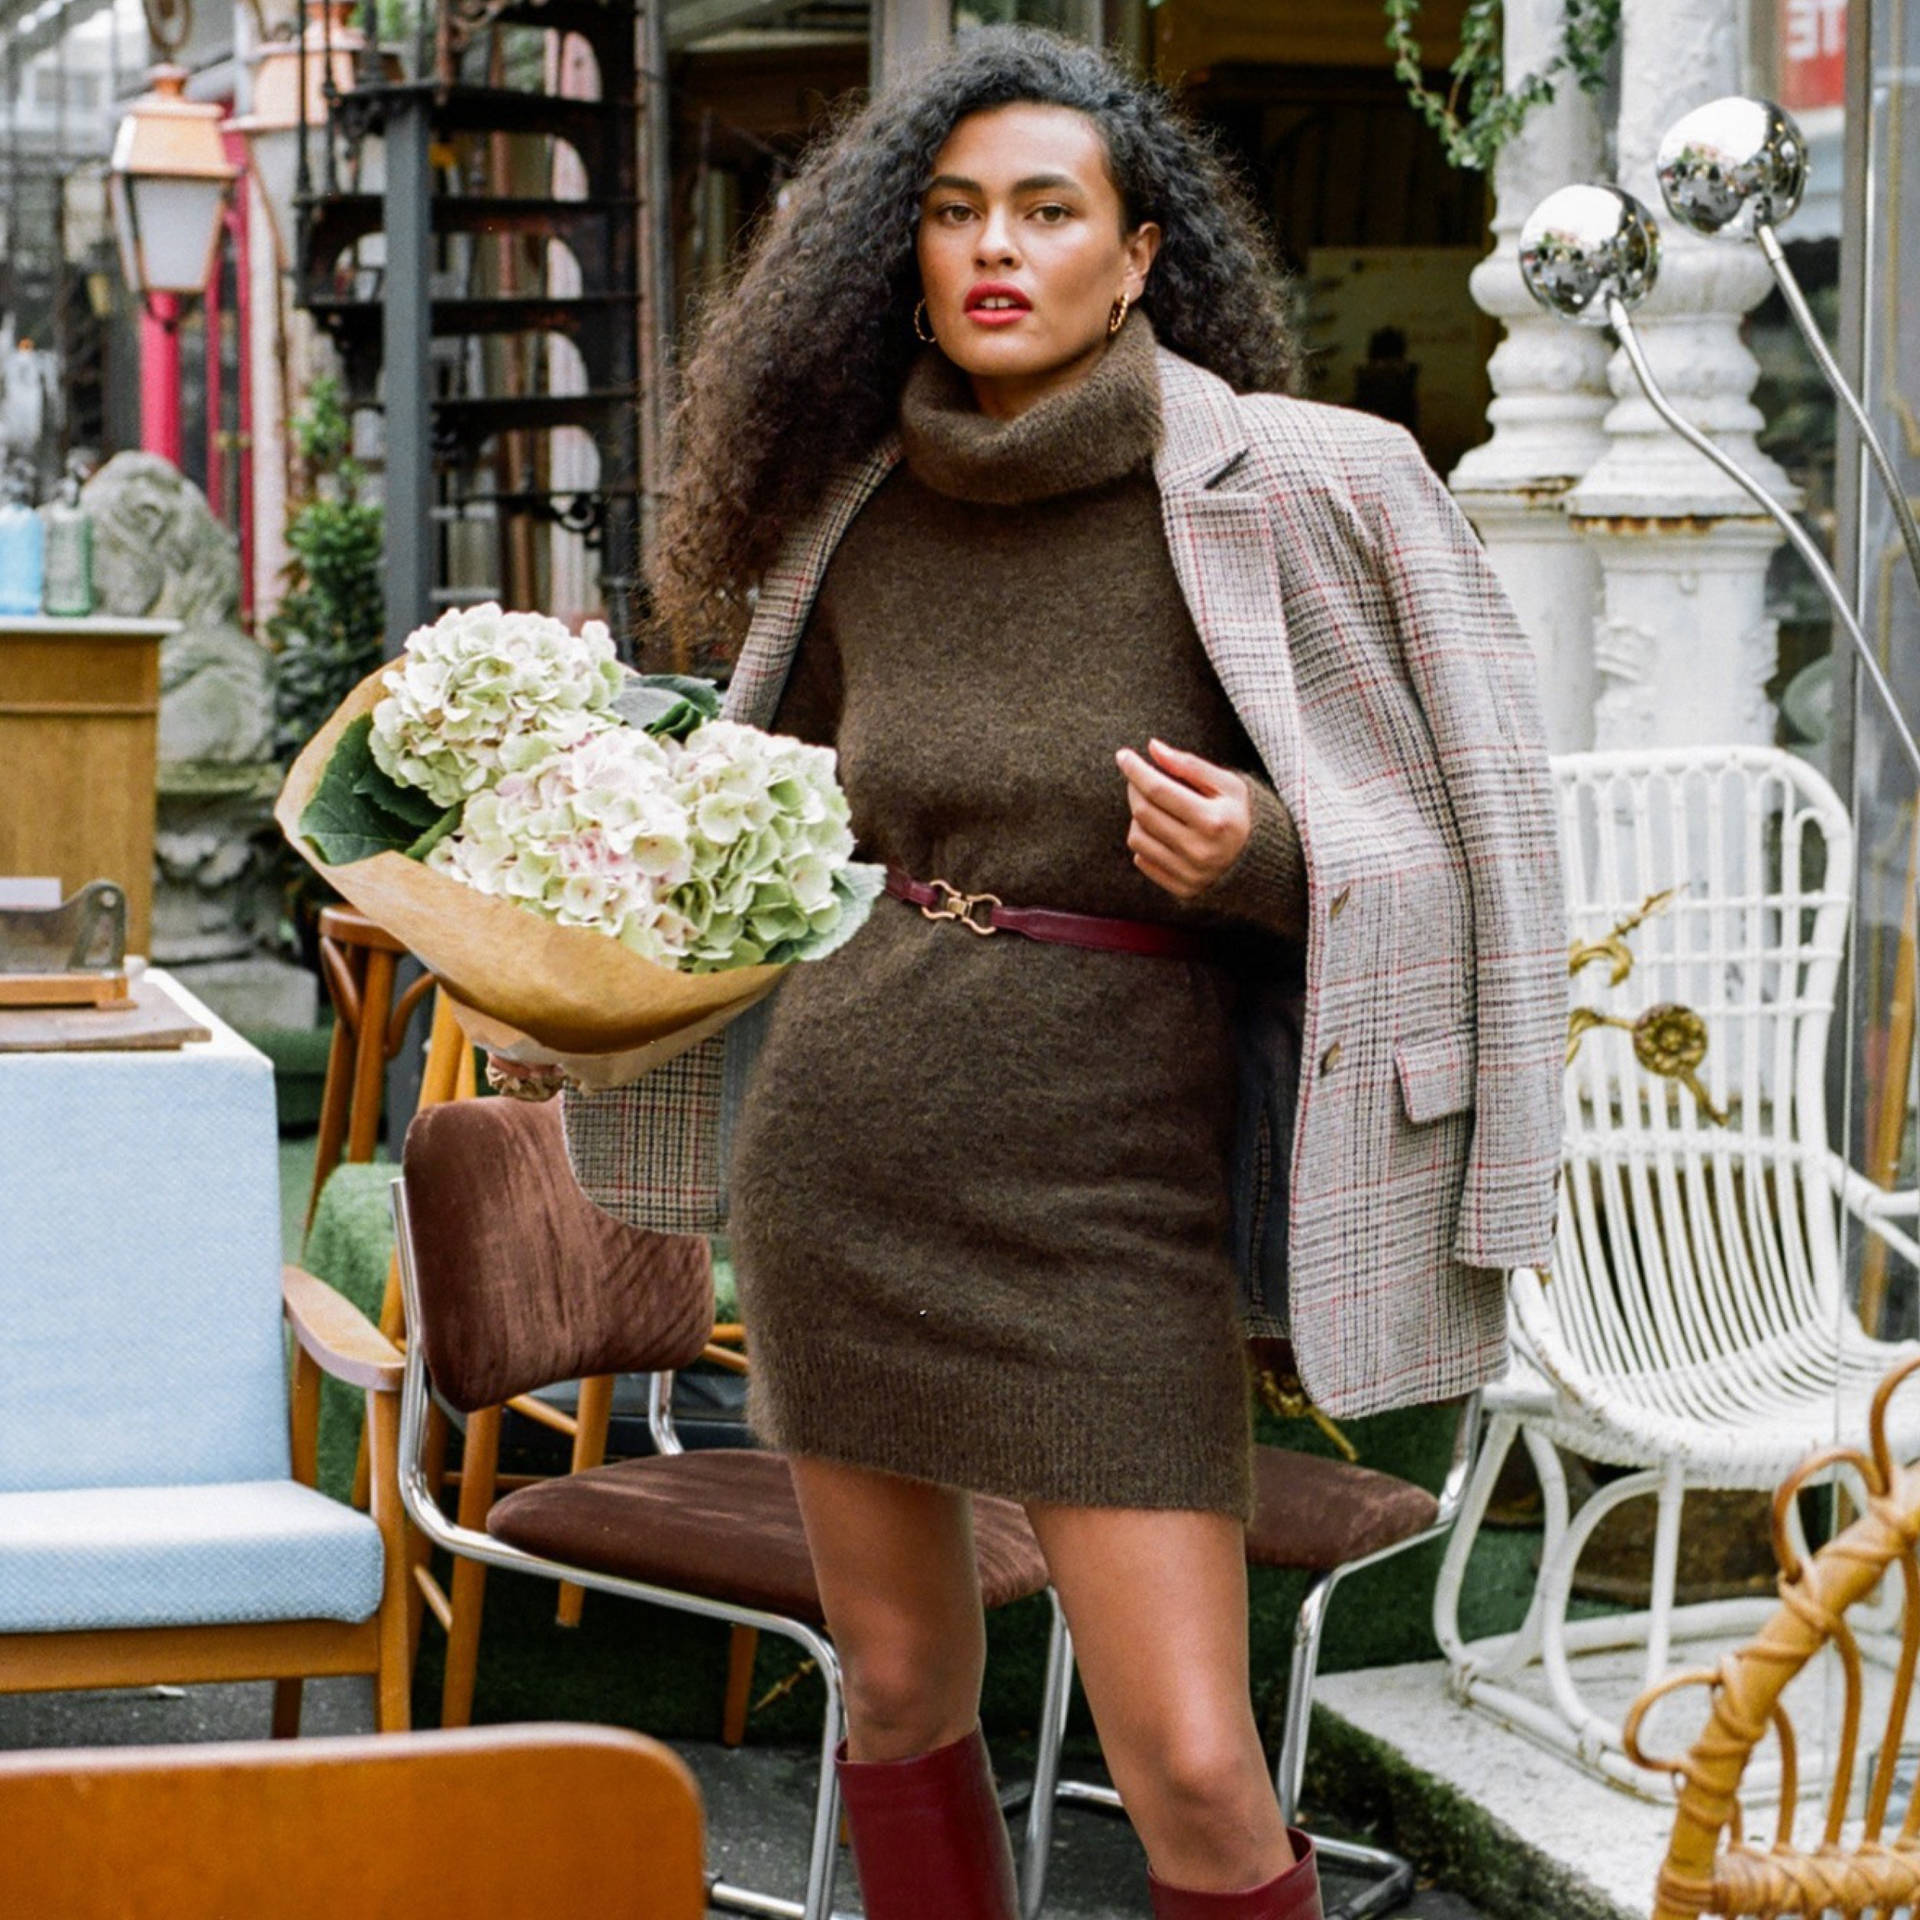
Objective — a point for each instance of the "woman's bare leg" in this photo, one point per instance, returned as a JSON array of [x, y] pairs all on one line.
[[895, 1563], [1157, 1603]]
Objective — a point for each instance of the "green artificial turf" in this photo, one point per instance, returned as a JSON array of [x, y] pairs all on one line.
[[349, 1246]]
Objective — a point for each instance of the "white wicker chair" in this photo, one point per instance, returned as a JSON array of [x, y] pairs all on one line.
[[1695, 1326]]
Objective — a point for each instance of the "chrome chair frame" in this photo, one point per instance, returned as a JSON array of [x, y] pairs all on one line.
[[424, 1511], [1390, 1877]]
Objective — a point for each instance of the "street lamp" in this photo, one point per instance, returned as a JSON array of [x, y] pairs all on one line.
[[167, 183]]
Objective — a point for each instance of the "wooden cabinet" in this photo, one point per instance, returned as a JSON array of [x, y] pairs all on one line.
[[79, 717]]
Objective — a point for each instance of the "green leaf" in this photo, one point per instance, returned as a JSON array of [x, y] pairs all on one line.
[[437, 832], [667, 704], [352, 815], [419, 810]]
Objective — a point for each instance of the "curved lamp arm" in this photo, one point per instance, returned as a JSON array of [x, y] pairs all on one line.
[[1803, 542], [1783, 274]]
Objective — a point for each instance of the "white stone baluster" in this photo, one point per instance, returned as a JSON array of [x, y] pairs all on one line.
[[1550, 394], [1683, 649]]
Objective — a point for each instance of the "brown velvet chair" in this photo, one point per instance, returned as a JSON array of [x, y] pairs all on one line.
[[1326, 1518], [513, 1279], [490, 1825]]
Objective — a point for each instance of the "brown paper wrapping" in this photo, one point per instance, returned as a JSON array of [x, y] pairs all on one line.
[[523, 987]]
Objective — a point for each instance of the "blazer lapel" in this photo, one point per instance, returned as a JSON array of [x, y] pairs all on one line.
[[792, 585], [1221, 541]]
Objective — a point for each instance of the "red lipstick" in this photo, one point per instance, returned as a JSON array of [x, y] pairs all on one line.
[[1009, 303]]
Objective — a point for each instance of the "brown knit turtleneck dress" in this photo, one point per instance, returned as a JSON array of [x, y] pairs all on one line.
[[979, 1190]]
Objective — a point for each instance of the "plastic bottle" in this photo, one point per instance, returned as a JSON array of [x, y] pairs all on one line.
[[69, 550], [23, 545]]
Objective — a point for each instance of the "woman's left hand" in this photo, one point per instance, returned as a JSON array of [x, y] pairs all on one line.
[[1190, 818]]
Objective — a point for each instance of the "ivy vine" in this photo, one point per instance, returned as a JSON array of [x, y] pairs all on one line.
[[1482, 110]]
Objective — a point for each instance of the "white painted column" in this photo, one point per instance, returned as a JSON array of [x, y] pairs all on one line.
[[1550, 394], [1683, 648]]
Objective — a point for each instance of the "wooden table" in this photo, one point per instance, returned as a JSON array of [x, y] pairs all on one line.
[[79, 719]]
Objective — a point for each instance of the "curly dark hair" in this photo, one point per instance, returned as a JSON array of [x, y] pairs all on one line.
[[799, 365]]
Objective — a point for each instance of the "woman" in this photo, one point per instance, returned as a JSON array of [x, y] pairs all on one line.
[[1223, 683]]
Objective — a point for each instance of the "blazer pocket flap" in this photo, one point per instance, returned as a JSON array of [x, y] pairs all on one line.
[[1435, 1075]]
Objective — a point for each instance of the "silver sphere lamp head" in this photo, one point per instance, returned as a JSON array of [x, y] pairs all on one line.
[[1584, 247], [1733, 166]]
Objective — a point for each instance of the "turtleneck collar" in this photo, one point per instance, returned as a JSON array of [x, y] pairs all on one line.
[[1104, 425]]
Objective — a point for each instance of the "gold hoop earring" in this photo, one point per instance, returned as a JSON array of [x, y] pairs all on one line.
[[1117, 317], [922, 325]]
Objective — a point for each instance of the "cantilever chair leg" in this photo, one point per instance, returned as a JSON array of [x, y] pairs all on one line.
[[1046, 1786], [1390, 1878]]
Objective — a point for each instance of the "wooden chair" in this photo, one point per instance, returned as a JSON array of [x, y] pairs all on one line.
[[513, 1278], [490, 1825], [1854, 1865], [1328, 1518], [358, 959]]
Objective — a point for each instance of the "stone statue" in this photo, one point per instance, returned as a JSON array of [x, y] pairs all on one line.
[[159, 552]]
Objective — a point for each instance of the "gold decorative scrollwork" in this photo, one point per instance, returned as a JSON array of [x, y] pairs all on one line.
[[1277, 1381], [1613, 948], [1668, 1040]]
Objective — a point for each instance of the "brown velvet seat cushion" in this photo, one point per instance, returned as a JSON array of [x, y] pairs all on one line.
[[723, 1524], [1320, 1514], [522, 1279]]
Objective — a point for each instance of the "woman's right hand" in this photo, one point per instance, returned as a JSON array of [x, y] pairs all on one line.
[[524, 1080]]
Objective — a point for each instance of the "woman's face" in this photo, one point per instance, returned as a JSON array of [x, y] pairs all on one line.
[[1024, 250]]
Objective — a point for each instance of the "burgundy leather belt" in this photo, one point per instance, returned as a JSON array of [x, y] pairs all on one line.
[[985, 913]]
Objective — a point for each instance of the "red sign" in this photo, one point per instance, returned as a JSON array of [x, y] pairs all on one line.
[[1813, 52]]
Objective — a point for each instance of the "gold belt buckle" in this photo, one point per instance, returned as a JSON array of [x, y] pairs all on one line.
[[959, 906]]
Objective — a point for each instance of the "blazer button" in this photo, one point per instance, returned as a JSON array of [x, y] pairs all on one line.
[[1338, 904], [1331, 1058]]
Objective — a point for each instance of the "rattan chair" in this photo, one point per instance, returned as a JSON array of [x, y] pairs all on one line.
[[1855, 1865], [513, 1280], [1694, 1328]]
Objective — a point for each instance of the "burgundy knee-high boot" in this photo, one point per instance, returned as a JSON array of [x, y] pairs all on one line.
[[929, 1841], [1292, 1895]]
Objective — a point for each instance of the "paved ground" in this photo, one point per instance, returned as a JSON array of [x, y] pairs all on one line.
[[758, 1798]]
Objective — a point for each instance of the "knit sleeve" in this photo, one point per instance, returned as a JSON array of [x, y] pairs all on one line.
[[1267, 883], [809, 706]]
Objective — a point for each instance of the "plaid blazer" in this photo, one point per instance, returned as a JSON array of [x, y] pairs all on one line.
[[1353, 620]]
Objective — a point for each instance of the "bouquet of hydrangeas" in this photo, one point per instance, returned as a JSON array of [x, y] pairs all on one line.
[[599, 869]]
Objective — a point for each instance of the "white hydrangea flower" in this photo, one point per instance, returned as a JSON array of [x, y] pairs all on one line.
[[727, 849], [768, 834], [593, 836], [482, 694]]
